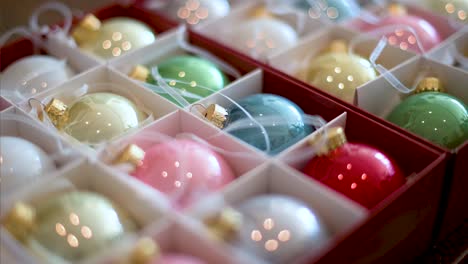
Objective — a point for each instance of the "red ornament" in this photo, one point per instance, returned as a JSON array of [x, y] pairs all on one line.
[[358, 171]]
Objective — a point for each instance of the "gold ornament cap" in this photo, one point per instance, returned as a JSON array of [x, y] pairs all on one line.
[[334, 138], [88, 25], [261, 12], [337, 46], [131, 154], [145, 251], [396, 9], [216, 114], [57, 112], [224, 225], [140, 73], [429, 84], [21, 220]]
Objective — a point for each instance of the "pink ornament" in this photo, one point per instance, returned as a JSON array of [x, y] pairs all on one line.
[[183, 170], [427, 34], [177, 259]]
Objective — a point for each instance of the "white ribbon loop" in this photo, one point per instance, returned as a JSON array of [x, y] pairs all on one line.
[[395, 82]]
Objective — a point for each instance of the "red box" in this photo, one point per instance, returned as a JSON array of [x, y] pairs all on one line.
[[400, 228]]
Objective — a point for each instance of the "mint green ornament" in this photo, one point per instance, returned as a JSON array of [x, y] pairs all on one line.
[[70, 226], [436, 116], [195, 77]]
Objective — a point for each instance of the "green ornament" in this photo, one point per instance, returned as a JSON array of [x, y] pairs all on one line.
[[195, 77], [436, 116]]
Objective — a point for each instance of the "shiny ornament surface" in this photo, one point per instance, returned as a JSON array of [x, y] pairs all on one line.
[[438, 117], [78, 224], [340, 74], [116, 36], [183, 170], [190, 74], [194, 12], [177, 259], [262, 37], [335, 10], [358, 171], [404, 39], [288, 129], [15, 153], [280, 229], [455, 9], [33, 74], [99, 117]]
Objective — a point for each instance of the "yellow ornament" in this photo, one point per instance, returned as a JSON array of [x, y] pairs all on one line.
[[339, 72], [95, 117], [112, 37]]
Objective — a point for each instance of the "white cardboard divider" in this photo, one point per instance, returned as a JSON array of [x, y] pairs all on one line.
[[97, 80], [218, 28], [380, 97], [143, 207], [339, 214], [294, 155], [295, 61], [456, 42]]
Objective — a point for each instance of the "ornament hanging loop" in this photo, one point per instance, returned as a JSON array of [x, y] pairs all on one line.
[[51, 6], [197, 105], [374, 56]]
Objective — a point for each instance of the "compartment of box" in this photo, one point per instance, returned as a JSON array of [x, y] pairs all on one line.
[[143, 207], [250, 84], [14, 123], [295, 61], [175, 237], [182, 125], [104, 79], [163, 49], [442, 25], [212, 29], [338, 215], [4, 104], [158, 24]]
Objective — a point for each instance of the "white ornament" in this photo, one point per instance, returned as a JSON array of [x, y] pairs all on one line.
[[21, 162], [280, 229], [262, 37], [31, 75]]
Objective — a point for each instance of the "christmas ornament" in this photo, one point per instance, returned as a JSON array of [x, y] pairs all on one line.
[[335, 10], [434, 115], [95, 117], [14, 154], [360, 172], [195, 11], [456, 9], [33, 74], [261, 37], [338, 72], [69, 226], [181, 169], [190, 74], [288, 129], [276, 228], [147, 251], [402, 38], [112, 37]]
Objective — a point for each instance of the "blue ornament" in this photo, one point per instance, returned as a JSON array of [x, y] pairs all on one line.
[[335, 10], [286, 128]]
